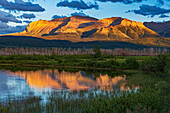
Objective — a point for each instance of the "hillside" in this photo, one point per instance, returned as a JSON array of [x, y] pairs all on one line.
[[24, 41]]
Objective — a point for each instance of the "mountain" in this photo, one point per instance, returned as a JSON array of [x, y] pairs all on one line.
[[84, 29], [162, 28]]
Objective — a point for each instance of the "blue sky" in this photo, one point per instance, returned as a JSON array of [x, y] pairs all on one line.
[[16, 14]]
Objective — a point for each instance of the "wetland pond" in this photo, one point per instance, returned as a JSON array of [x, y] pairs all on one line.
[[42, 82]]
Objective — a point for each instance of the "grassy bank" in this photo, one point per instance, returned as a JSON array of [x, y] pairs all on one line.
[[70, 60], [89, 61]]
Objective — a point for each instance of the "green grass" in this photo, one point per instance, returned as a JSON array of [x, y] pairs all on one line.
[[153, 65], [65, 60], [81, 61]]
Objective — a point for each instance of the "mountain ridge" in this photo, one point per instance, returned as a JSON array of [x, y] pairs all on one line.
[[162, 28], [84, 29]]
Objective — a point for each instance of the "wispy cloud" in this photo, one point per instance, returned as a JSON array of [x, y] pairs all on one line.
[[77, 5], [9, 29], [122, 1], [58, 16], [147, 10], [163, 16], [26, 21], [27, 16], [7, 17], [78, 14], [20, 5]]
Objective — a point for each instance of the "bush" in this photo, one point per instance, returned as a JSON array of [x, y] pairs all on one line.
[[131, 63], [114, 64], [157, 66]]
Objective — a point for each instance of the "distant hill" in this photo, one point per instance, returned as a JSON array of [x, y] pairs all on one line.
[[24, 41], [86, 29], [162, 28]]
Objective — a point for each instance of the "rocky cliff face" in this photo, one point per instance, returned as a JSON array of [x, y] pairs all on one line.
[[78, 28], [162, 28]]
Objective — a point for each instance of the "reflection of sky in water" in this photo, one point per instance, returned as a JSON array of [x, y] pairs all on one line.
[[16, 86], [23, 82], [12, 85]]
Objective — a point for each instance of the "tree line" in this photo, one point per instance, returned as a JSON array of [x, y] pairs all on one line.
[[70, 51]]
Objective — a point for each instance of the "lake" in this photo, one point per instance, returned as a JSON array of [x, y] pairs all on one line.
[[40, 82]]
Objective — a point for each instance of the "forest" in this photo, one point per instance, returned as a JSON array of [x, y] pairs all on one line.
[[80, 51]]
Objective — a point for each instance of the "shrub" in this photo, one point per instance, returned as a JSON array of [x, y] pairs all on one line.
[[131, 63], [157, 66], [114, 64]]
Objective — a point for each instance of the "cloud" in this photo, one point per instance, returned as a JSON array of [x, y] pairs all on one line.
[[123, 1], [7, 17], [26, 21], [20, 5], [28, 16], [163, 16], [78, 13], [5, 29], [161, 2], [72, 14], [3, 25], [78, 5], [147, 10], [58, 16]]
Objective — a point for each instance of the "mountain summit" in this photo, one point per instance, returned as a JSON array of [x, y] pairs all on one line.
[[79, 28]]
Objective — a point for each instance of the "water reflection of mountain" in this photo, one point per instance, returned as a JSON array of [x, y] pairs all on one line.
[[67, 80]]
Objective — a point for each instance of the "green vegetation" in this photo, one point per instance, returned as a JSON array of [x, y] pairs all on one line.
[[30, 104], [131, 63], [97, 51], [158, 65], [149, 98]]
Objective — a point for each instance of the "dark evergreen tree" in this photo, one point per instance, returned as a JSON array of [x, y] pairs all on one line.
[[97, 51]]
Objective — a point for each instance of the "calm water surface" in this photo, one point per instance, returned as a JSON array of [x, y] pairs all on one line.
[[21, 83]]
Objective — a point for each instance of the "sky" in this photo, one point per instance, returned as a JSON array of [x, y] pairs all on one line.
[[15, 15]]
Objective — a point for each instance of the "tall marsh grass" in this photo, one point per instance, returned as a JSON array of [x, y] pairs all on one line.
[[146, 99]]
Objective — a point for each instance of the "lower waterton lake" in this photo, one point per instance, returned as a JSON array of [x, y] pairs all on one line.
[[41, 82]]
